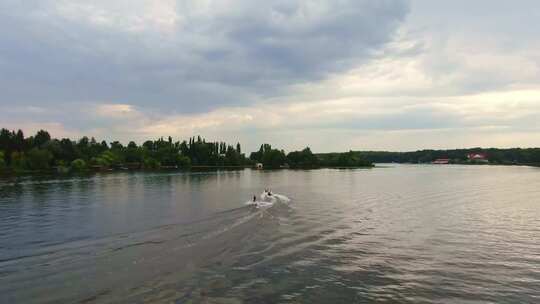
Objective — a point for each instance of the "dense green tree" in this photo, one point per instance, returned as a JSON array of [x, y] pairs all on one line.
[[103, 146], [68, 151], [270, 158], [274, 159], [149, 145], [151, 163], [2, 161], [18, 161], [303, 159], [116, 146], [79, 165], [184, 148], [83, 148], [39, 159], [106, 159], [133, 154], [18, 141], [183, 162], [6, 144], [54, 147], [5, 138], [62, 166], [347, 159], [258, 156], [41, 138], [232, 157]]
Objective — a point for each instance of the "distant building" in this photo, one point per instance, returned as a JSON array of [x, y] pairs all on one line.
[[259, 166], [441, 161], [477, 157]]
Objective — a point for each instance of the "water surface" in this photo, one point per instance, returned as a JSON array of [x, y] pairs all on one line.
[[446, 234]]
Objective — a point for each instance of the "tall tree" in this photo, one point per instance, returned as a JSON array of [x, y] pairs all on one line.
[[41, 138], [2, 161], [18, 140]]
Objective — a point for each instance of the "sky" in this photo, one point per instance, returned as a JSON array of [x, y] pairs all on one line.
[[334, 75]]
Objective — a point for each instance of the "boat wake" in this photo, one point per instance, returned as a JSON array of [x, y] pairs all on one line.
[[267, 200], [139, 257]]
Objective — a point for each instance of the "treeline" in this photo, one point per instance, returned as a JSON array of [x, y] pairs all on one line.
[[40, 152], [513, 156], [344, 159], [305, 159]]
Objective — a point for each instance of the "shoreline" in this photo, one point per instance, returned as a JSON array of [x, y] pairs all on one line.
[[52, 172]]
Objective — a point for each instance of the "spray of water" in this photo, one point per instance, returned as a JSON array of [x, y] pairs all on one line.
[[267, 200]]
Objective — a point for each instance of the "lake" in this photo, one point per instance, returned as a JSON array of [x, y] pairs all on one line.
[[396, 233]]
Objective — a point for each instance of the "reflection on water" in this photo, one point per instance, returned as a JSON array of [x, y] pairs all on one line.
[[401, 234]]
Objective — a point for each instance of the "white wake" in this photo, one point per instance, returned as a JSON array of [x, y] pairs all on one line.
[[267, 200]]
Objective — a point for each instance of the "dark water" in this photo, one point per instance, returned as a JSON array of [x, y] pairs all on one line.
[[445, 234]]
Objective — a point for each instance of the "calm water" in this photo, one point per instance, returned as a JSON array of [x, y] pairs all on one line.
[[446, 234]]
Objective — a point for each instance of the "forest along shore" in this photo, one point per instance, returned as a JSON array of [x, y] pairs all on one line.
[[40, 153]]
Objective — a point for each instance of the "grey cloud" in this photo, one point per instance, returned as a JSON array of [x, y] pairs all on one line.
[[408, 118], [425, 117], [227, 56]]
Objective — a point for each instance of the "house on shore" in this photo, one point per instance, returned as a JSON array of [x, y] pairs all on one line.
[[477, 157]]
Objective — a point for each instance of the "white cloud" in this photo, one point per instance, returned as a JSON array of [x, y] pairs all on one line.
[[116, 110], [118, 15]]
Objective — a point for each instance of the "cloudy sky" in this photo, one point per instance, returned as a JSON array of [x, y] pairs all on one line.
[[332, 74]]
